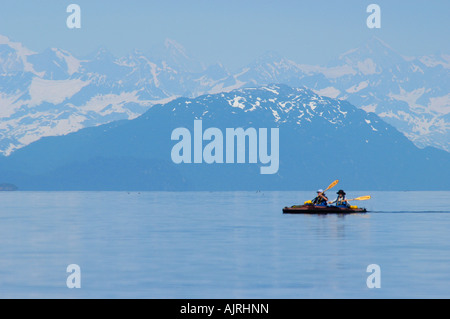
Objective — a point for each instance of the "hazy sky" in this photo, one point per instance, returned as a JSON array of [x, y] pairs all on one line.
[[232, 32]]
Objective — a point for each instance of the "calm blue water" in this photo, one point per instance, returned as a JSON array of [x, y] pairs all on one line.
[[221, 245]]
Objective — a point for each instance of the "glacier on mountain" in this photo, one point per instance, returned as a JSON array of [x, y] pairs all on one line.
[[55, 93]]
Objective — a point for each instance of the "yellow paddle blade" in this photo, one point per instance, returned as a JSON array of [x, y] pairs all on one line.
[[331, 185], [360, 198]]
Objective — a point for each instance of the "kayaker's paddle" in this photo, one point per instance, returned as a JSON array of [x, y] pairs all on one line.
[[360, 198], [328, 188], [331, 185]]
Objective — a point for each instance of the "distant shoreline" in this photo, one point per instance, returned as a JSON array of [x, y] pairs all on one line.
[[8, 187]]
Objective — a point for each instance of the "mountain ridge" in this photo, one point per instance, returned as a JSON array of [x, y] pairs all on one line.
[[409, 93], [319, 137]]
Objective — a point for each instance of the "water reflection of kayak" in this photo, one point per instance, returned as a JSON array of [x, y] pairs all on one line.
[[313, 209]]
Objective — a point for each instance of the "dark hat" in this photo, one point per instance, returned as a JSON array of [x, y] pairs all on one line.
[[341, 192]]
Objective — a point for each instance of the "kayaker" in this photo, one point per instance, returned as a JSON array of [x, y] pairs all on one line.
[[321, 199], [340, 201]]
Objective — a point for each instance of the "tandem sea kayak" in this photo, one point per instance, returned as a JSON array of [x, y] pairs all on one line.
[[313, 209]]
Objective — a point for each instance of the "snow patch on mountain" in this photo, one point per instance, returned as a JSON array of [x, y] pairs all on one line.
[[54, 128], [53, 91], [270, 90], [221, 88], [409, 97], [434, 61], [369, 108], [238, 102], [358, 87], [440, 104], [108, 104], [21, 53], [330, 91], [73, 64], [276, 115], [8, 105], [366, 67]]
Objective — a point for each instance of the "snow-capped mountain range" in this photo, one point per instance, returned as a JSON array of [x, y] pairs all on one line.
[[54, 93], [319, 137]]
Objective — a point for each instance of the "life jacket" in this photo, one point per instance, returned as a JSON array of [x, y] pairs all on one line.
[[319, 200], [340, 201]]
